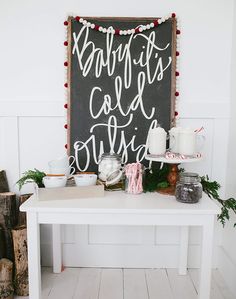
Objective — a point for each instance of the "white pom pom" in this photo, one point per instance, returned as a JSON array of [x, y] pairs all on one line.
[[121, 32], [140, 29], [129, 31], [148, 26], [113, 31], [88, 24], [100, 29], [151, 25], [132, 31], [84, 22], [104, 30], [81, 20], [144, 27], [92, 26]]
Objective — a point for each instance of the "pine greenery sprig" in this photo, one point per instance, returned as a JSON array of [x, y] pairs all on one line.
[[31, 176], [211, 189]]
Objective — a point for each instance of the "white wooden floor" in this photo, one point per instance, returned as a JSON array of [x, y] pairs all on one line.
[[100, 283]]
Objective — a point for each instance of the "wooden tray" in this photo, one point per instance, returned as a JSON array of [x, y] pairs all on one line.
[[70, 192]]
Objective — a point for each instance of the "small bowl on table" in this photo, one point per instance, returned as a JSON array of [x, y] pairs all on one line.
[[54, 181], [85, 179]]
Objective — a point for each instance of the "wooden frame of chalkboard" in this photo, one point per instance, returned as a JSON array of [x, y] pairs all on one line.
[[114, 98]]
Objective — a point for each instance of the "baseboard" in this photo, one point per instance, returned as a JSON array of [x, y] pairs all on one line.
[[227, 269]]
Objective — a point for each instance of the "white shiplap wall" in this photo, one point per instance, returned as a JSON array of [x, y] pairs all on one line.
[[31, 135]]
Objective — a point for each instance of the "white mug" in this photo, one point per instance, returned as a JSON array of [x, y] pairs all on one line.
[[174, 139], [157, 141], [62, 165], [189, 142]]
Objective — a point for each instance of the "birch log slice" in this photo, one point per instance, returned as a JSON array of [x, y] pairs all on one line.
[[6, 285], [19, 236], [3, 182]]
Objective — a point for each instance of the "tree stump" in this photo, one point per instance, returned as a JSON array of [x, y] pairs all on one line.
[[22, 215], [8, 220], [6, 285], [21, 283], [2, 243], [3, 182]]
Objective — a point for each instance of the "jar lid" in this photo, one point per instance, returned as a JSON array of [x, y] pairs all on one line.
[[189, 177], [111, 156]]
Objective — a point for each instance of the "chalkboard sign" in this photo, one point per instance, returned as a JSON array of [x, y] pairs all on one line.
[[119, 86]]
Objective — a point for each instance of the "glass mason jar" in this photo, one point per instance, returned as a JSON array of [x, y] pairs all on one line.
[[110, 171], [188, 188]]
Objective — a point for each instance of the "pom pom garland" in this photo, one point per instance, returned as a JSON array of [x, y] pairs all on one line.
[[176, 93], [66, 106], [66, 126], [65, 63], [66, 43], [66, 85], [66, 23], [118, 31]]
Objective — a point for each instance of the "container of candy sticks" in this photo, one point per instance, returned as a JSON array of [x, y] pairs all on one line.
[[134, 178]]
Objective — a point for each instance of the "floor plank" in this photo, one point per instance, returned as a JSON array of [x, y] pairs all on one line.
[[215, 293], [181, 285], [88, 284], [135, 286], [158, 284], [218, 279], [65, 284], [111, 285]]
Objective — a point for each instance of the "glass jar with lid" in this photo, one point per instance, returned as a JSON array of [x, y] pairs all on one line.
[[110, 171], [188, 188]]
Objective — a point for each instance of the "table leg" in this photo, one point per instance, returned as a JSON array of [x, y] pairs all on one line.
[[183, 256], [56, 248], [206, 259], [34, 255]]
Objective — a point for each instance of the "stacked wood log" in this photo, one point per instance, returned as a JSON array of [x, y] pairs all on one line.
[[22, 215], [8, 220], [6, 285], [21, 283], [3, 182]]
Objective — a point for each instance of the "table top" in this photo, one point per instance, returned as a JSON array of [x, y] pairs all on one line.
[[119, 202]]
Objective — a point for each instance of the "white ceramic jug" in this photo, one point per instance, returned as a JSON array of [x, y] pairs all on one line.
[[157, 141], [189, 142]]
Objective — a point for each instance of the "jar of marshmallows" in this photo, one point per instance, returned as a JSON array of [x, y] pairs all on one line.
[[110, 171]]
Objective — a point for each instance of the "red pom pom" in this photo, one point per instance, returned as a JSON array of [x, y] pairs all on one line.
[[176, 93], [173, 15], [65, 126], [176, 74], [66, 85], [66, 23], [155, 23], [136, 30], [77, 18], [96, 27], [66, 43], [177, 53], [66, 106], [117, 31], [178, 31], [176, 113], [66, 146], [65, 63]]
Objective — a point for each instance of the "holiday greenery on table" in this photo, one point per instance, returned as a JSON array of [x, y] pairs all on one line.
[[156, 179]]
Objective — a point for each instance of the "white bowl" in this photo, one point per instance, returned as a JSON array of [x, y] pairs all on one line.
[[85, 179], [54, 181]]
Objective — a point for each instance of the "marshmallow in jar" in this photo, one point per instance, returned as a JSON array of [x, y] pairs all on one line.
[[157, 141], [108, 164]]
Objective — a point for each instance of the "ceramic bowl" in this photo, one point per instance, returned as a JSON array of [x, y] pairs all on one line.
[[54, 181], [85, 179]]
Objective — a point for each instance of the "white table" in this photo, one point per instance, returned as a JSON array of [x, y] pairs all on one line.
[[119, 208]]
